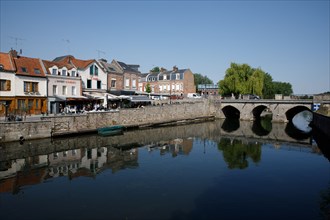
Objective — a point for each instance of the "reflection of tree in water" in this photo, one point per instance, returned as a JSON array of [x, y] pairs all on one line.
[[262, 126], [236, 153]]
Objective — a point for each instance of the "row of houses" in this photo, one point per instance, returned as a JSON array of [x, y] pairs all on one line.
[[39, 86]]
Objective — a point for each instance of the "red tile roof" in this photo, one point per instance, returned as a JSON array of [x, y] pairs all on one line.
[[80, 64], [49, 64], [29, 66], [6, 61]]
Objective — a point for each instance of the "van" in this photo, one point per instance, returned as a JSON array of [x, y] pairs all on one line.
[[193, 95]]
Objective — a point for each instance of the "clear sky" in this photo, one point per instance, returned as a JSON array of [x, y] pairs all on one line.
[[287, 39]]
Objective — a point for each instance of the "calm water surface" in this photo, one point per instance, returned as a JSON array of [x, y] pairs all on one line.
[[198, 171]]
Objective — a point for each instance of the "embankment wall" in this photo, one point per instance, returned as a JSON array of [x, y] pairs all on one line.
[[51, 126]]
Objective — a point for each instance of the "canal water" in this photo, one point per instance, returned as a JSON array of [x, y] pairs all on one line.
[[211, 170]]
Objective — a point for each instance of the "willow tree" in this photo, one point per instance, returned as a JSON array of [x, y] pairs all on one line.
[[242, 79]]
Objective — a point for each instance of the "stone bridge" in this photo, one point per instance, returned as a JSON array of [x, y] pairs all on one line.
[[281, 110]]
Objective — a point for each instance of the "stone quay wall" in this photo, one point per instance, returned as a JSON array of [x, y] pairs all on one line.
[[321, 123], [52, 126]]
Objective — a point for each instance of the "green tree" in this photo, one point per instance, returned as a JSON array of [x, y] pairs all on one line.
[[268, 90], [242, 79], [282, 88], [148, 88], [155, 70], [200, 79]]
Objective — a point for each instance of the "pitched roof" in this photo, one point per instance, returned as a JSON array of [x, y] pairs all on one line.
[[107, 66], [129, 67], [29, 66], [80, 64], [48, 64], [6, 61]]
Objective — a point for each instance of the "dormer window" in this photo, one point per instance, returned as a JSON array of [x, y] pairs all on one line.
[[37, 71], [54, 71], [73, 73], [24, 70], [63, 72]]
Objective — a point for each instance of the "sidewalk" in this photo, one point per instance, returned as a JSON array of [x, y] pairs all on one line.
[[26, 118]]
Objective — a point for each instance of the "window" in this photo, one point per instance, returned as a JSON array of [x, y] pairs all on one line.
[[4, 85], [54, 71], [134, 83], [64, 90], [96, 71], [73, 73], [24, 70], [31, 87], [93, 70], [99, 84], [113, 83], [160, 88], [89, 84], [54, 89], [21, 103], [37, 71], [165, 77], [74, 90], [30, 104], [177, 76], [63, 72], [127, 83]]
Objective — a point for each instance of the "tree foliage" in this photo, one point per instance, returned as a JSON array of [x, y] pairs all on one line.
[[200, 79], [148, 88], [243, 79], [155, 70]]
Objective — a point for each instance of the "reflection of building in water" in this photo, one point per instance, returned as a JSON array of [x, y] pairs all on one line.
[[21, 172], [94, 159], [63, 163], [72, 163], [119, 160], [77, 162], [177, 146]]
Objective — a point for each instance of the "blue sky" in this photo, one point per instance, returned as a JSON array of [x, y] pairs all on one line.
[[287, 39]]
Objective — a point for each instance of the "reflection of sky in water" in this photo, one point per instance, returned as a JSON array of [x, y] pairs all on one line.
[[302, 120]]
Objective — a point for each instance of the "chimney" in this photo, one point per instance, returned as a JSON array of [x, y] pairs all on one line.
[[13, 53], [175, 68]]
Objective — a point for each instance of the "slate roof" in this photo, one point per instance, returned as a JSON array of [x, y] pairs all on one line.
[[107, 66], [127, 67]]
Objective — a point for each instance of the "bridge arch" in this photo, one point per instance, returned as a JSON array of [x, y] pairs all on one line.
[[231, 112], [256, 112], [295, 110]]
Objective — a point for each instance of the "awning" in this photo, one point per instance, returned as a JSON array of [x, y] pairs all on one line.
[[100, 96], [60, 98], [140, 98]]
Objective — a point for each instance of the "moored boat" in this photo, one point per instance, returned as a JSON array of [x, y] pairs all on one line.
[[111, 130]]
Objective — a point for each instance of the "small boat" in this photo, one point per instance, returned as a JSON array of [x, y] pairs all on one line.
[[111, 130]]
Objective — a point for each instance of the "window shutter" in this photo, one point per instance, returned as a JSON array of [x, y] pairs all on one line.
[[8, 85]]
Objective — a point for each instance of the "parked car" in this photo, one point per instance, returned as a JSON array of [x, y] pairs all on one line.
[[252, 96], [193, 95]]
